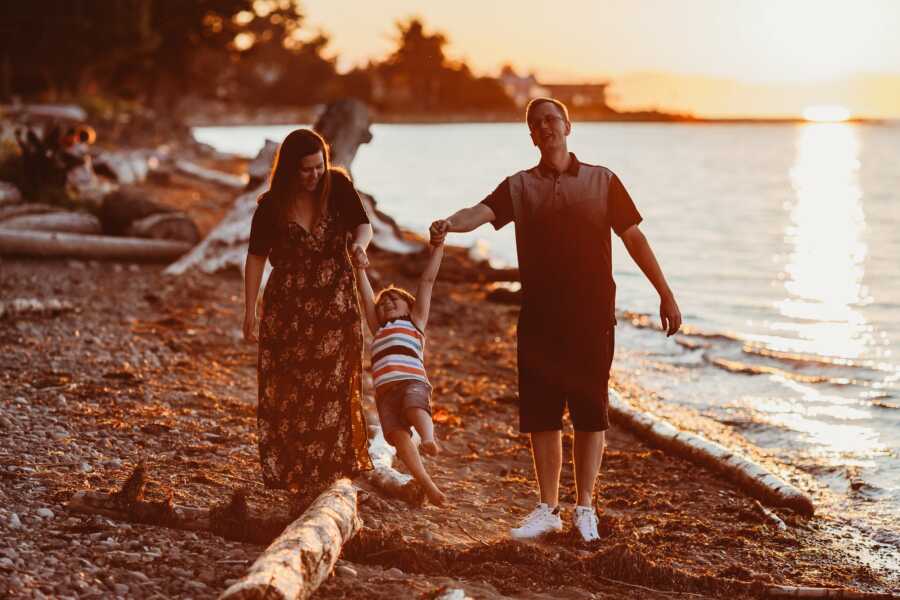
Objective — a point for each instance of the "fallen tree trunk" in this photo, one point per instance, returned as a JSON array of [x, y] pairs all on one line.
[[9, 194], [749, 476], [790, 591], [67, 222], [49, 244], [237, 182], [302, 557], [165, 226], [29, 208]]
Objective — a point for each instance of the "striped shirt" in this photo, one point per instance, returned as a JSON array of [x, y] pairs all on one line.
[[398, 353]]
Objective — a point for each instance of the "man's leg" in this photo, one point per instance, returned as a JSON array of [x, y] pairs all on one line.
[[587, 454], [546, 448]]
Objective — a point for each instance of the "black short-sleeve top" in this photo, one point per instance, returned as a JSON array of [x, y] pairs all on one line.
[[563, 223], [344, 205]]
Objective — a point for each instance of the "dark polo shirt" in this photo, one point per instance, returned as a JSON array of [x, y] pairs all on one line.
[[563, 223]]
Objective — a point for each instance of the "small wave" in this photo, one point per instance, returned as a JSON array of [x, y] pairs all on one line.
[[734, 366]]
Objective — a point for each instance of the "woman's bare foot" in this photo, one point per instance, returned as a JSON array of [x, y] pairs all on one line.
[[431, 448]]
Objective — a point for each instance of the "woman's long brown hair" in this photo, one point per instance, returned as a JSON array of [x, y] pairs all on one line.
[[284, 181]]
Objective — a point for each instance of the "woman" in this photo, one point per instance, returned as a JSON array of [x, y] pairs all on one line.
[[311, 425]]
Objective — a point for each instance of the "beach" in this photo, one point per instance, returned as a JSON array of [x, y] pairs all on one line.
[[136, 366]]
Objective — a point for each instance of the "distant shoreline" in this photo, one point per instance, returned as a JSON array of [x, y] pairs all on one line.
[[292, 117]]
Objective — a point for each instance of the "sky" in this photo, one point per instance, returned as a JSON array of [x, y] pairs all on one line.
[[708, 57]]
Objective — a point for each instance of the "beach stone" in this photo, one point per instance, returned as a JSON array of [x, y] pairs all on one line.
[[14, 521], [394, 572], [345, 571], [121, 588], [45, 513]]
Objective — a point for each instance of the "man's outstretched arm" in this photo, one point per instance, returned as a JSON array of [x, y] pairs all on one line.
[[639, 249], [461, 221]]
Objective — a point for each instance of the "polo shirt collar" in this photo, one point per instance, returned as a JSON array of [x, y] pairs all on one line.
[[547, 170]]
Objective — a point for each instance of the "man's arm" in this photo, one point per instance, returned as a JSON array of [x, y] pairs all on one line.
[[462, 221], [426, 284], [639, 249]]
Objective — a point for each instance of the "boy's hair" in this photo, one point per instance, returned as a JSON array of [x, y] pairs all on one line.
[[392, 289]]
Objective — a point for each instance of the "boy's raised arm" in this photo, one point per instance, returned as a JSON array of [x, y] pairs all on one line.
[[426, 284], [366, 294]]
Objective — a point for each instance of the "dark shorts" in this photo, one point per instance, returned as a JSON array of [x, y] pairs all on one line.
[[545, 391], [394, 398]]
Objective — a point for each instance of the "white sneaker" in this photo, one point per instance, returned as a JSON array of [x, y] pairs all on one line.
[[585, 521], [541, 520]]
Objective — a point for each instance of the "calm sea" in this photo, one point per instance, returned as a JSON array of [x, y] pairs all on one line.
[[782, 243]]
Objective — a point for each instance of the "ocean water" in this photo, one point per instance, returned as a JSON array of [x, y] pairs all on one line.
[[781, 242]]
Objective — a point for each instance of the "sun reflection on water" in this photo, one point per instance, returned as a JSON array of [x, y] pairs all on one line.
[[824, 271]]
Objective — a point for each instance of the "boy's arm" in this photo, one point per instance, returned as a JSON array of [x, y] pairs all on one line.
[[426, 284], [367, 297]]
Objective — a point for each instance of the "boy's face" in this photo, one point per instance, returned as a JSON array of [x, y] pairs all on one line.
[[391, 306]]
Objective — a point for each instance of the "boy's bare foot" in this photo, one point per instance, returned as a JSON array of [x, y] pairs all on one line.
[[435, 495], [431, 448]]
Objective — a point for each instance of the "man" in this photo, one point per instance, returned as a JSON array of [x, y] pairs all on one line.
[[563, 212]]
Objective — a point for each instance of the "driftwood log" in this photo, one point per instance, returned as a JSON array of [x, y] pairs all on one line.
[[125, 167], [258, 170], [126, 205], [28, 208], [749, 476], [237, 182], [73, 245], [68, 222], [302, 557]]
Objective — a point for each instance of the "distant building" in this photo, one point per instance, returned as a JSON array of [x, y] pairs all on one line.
[[579, 95], [520, 89]]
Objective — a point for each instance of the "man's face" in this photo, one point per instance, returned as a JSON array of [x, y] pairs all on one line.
[[312, 167], [548, 126]]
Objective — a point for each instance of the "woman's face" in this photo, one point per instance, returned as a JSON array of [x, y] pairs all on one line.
[[391, 306], [312, 167]]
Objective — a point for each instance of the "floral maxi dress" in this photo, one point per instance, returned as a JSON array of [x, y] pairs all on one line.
[[311, 425]]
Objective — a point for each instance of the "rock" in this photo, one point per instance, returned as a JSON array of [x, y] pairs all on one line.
[[14, 521], [44, 513], [121, 589], [394, 572], [125, 206], [345, 571], [10, 194], [165, 226]]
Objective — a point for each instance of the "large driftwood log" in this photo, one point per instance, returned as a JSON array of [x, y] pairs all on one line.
[[68, 222], [226, 245], [27, 208], [345, 125], [384, 476], [258, 170], [50, 244], [126, 167], [302, 557], [237, 182], [749, 476]]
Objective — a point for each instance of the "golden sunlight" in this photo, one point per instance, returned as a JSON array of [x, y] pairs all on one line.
[[830, 113], [823, 275]]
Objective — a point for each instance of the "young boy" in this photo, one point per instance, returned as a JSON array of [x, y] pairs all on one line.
[[397, 319]]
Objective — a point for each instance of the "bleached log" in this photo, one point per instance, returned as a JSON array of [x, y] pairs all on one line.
[[9, 194], [345, 126], [749, 476], [790, 591], [52, 244], [69, 222], [126, 167], [772, 517], [302, 557], [33, 306], [237, 182], [27, 208], [258, 170]]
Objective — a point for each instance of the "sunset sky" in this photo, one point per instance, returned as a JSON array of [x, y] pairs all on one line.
[[710, 57]]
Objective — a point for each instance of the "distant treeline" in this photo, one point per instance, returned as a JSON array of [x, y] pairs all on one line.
[[250, 52]]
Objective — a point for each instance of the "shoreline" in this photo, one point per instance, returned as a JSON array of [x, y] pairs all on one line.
[[157, 370]]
